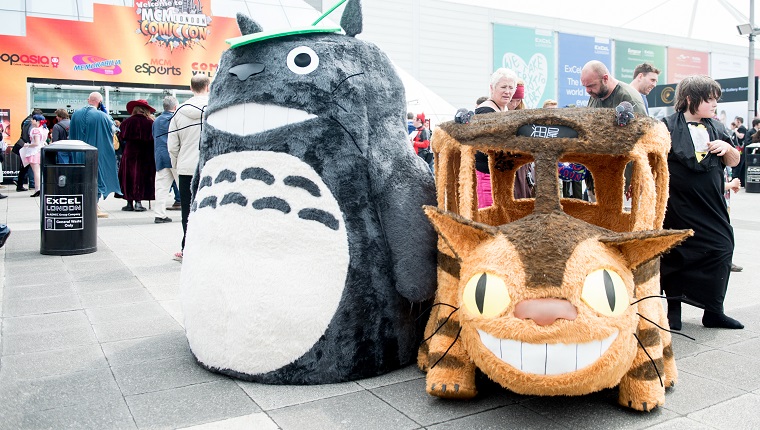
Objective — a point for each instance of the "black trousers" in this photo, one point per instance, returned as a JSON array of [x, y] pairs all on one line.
[[22, 171], [185, 196]]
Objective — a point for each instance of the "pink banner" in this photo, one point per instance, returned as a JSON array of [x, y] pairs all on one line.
[[683, 63]]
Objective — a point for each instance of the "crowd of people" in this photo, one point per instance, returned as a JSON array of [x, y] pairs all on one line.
[[140, 159]]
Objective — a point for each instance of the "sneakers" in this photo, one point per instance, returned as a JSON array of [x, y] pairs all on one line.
[[162, 220], [3, 196], [102, 214], [735, 268], [177, 256], [175, 207]]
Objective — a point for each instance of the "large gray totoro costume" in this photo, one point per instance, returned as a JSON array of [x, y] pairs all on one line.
[[307, 247]]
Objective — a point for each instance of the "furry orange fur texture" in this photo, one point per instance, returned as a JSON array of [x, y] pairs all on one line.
[[596, 259]]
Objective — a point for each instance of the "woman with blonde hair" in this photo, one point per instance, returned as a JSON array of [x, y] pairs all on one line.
[[137, 170], [503, 86]]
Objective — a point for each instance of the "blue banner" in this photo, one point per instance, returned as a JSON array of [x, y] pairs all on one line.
[[574, 52]]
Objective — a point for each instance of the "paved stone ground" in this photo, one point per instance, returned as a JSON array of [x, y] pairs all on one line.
[[96, 341]]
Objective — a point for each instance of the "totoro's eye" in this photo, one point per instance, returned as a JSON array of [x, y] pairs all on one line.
[[486, 295], [302, 60], [604, 290]]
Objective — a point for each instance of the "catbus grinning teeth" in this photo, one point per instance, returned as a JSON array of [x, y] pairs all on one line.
[[547, 358]]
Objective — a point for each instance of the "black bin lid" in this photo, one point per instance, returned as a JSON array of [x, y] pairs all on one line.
[[69, 145]]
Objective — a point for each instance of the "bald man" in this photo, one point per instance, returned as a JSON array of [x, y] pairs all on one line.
[[92, 125], [606, 91]]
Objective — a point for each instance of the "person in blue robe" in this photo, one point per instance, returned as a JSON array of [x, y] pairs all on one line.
[[93, 126]]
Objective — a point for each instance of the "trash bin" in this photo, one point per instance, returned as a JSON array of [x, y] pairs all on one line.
[[752, 158], [69, 198]]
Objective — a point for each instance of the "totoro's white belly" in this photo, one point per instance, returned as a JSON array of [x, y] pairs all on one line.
[[265, 262]]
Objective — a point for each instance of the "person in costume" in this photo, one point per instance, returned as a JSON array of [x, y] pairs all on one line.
[[503, 87], [30, 153], [524, 175], [93, 126], [137, 170], [421, 140], [699, 268]]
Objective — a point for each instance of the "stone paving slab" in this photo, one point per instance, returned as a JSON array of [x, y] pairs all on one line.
[[115, 297], [107, 414], [146, 349], [161, 374], [57, 391], [41, 305], [513, 416], [349, 411], [192, 405], [270, 397], [135, 328], [693, 392], [411, 399], [724, 367], [595, 411], [54, 362], [681, 424], [736, 414]]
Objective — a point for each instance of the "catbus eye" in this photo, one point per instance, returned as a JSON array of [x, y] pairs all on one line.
[[302, 60], [604, 290], [486, 295]]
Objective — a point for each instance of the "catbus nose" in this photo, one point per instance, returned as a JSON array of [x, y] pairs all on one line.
[[545, 311]]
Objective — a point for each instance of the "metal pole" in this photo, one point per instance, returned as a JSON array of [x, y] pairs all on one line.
[[751, 75]]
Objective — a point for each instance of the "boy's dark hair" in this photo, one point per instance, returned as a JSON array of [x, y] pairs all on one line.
[[696, 88], [755, 122]]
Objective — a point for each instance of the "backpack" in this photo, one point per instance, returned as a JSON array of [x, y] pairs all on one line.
[[63, 133]]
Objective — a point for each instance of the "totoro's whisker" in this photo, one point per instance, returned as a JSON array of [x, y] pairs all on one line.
[[430, 308], [664, 329], [197, 124], [338, 104], [345, 79], [455, 341], [650, 359], [348, 133], [440, 326]]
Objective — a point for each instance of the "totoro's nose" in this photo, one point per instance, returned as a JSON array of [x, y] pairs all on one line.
[[246, 70], [545, 311]]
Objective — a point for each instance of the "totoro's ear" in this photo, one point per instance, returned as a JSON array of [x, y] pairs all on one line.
[[247, 25], [461, 234], [351, 21], [639, 247]]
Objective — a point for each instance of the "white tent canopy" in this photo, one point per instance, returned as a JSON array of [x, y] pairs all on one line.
[[707, 20], [420, 99]]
